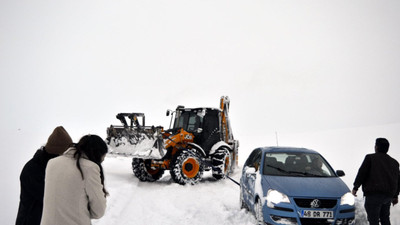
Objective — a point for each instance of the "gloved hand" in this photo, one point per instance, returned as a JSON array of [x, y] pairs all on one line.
[[354, 192], [395, 201]]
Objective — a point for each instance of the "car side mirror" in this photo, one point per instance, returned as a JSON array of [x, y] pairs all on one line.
[[250, 170], [340, 173], [169, 112]]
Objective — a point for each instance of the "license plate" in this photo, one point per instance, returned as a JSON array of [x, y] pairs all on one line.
[[316, 214]]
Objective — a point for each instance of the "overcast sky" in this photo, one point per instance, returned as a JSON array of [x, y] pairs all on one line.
[[286, 65]]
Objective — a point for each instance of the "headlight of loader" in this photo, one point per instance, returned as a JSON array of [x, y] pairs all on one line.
[[276, 197], [347, 199]]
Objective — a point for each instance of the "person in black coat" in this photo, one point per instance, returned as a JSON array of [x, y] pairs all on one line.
[[379, 177], [33, 174]]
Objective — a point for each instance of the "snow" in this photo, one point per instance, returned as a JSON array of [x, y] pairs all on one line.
[[144, 147], [165, 202], [133, 202], [304, 66], [210, 202]]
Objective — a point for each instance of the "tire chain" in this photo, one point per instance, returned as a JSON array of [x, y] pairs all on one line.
[[139, 169], [176, 170], [218, 164]]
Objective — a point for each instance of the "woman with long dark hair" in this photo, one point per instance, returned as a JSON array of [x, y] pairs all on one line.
[[74, 185]]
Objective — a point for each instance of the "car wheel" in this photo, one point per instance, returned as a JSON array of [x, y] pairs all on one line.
[[259, 212]]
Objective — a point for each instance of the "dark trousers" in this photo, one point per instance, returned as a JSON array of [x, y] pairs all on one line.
[[378, 209]]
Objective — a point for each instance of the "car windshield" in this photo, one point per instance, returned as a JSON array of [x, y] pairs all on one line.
[[296, 164]]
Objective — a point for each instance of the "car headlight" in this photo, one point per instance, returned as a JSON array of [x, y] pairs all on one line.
[[347, 199], [276, 197]]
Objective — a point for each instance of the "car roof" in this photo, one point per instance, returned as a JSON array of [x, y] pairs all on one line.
[[287, 149]]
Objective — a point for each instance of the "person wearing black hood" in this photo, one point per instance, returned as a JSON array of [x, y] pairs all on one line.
[[33, 175], [380, 179]]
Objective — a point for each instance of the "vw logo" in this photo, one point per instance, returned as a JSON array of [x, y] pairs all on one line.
[[315, 203]]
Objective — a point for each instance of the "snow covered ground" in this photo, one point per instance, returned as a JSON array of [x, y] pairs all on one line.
[[134, 202], [164, 202]]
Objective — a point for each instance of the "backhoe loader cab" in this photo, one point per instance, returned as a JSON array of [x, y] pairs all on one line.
[[203, 123]]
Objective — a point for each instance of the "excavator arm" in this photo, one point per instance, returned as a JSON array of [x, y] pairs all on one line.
[[224, 106]]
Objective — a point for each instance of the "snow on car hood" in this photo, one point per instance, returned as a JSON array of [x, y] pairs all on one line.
[[332, 187]]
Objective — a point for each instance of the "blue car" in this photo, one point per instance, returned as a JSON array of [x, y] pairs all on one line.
[[283, 185]]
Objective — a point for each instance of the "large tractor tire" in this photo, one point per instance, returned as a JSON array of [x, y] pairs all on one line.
[[144, 172], [187, 167], [221, 164]]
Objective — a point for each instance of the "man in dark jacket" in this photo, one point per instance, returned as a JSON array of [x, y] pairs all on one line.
[[380, 179], [33, 174]]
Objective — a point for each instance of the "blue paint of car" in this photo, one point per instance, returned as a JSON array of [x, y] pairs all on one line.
[[285, 185]]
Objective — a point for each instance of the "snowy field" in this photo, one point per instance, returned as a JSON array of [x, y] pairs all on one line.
[[164, 202]]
